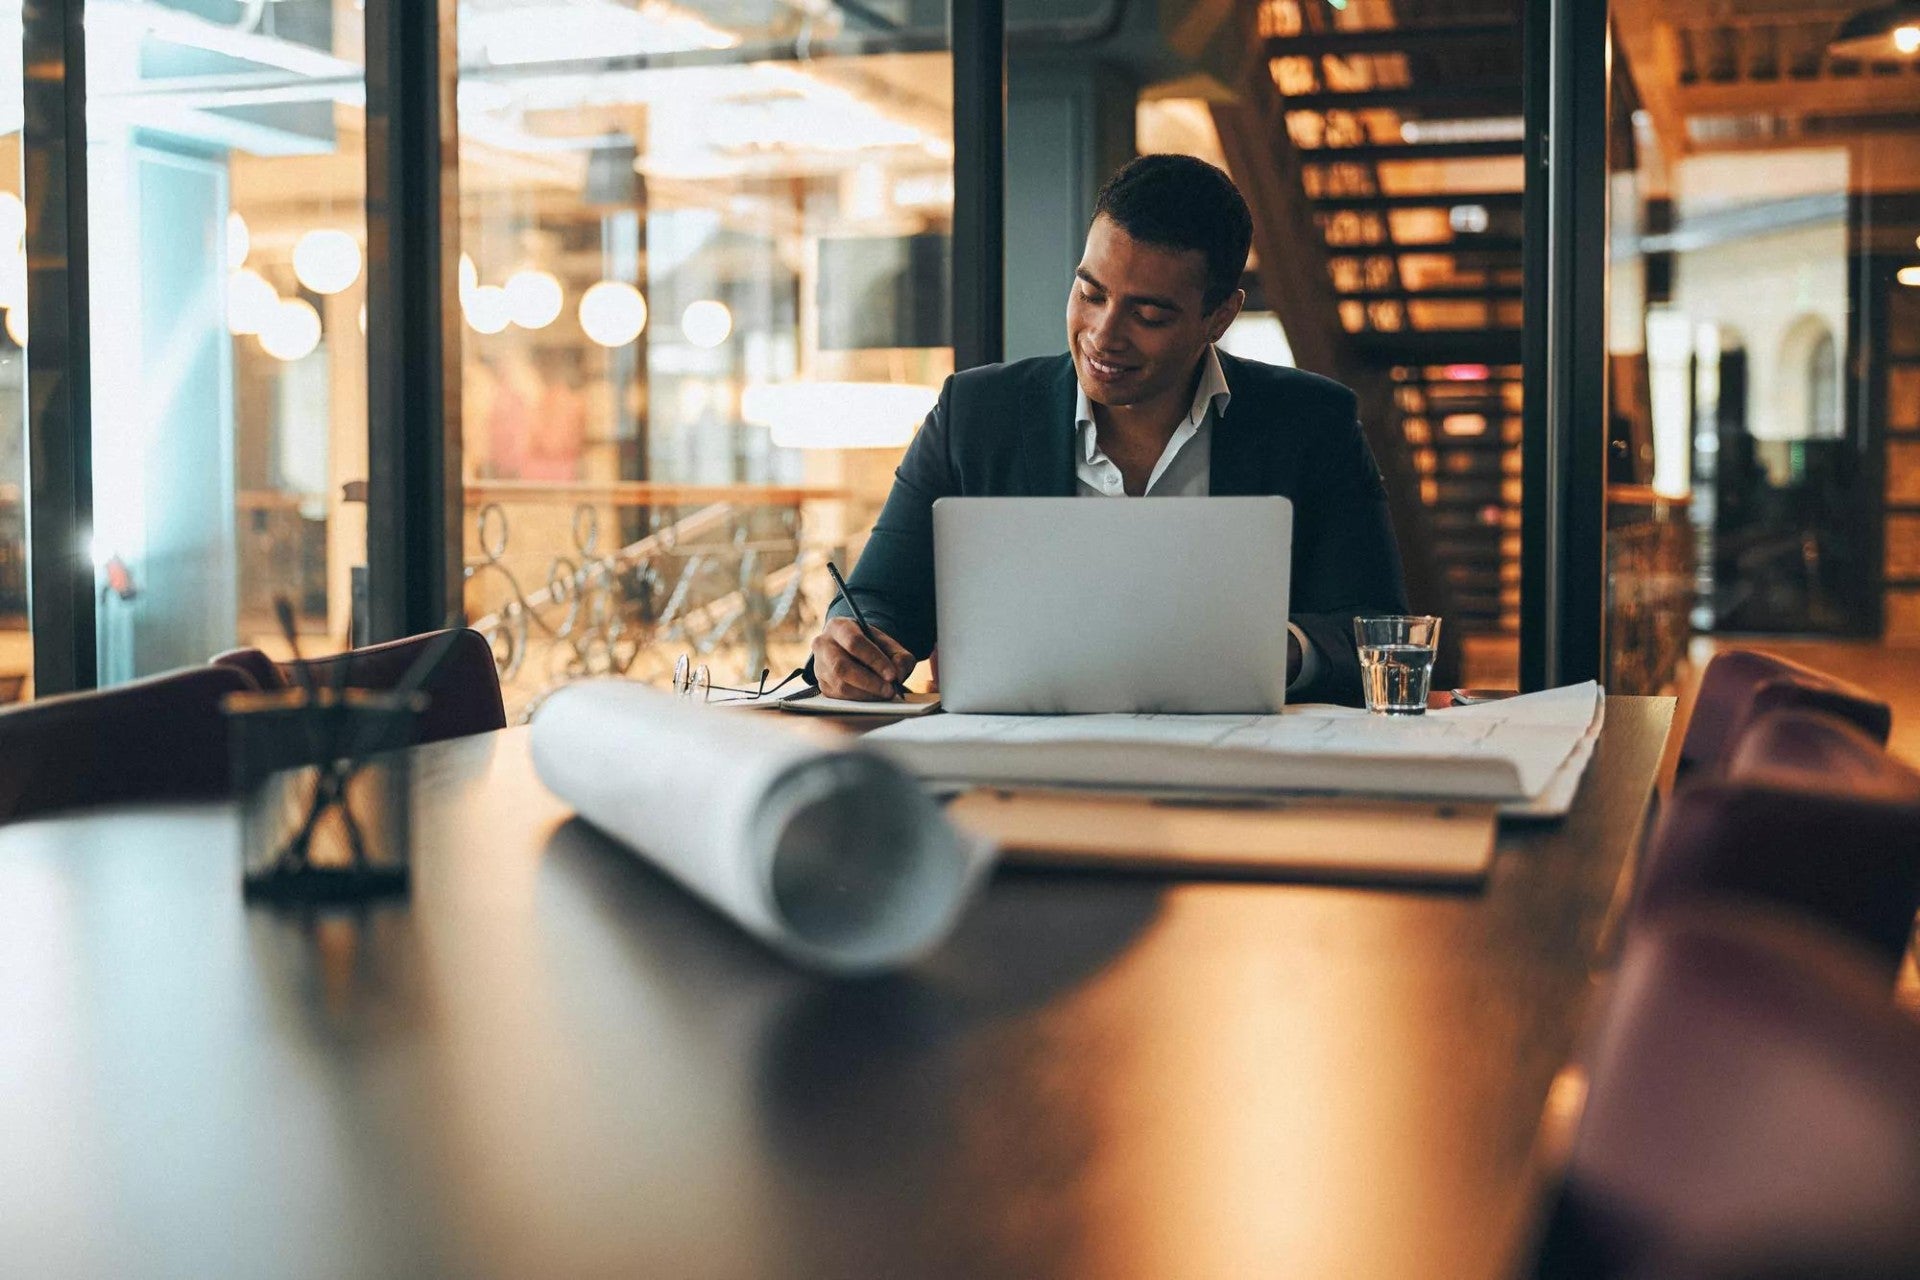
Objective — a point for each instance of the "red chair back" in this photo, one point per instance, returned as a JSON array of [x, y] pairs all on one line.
[[463, 692], [1809, 815], [1752, 1110], [1743, 684], [163, 738]]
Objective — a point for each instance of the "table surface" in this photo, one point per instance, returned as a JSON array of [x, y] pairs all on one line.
[[554, 1063]]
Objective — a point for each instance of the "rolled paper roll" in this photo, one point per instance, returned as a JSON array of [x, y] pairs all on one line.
[[828, 853]]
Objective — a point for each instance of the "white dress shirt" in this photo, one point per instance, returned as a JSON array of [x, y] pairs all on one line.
[[1184, 468]]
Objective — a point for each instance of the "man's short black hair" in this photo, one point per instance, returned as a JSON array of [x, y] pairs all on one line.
[[1180, 203]]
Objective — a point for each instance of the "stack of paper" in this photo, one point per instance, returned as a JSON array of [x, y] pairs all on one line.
[[1525, 753]]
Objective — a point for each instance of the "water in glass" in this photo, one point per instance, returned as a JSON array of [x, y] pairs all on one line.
[[1396, 677]]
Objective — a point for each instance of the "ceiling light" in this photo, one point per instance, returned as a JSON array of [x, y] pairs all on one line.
[[326, 261], [534, 298], [706, 322], [1464, 425], [839, 415], [553, 33], [612, 313], [1469, 219], [1885, 32], [292, 331], [250, 301], [1492, 129], [1909, 276], [487, 308]]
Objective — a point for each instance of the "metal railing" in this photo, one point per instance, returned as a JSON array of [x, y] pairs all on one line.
[[716, 573]]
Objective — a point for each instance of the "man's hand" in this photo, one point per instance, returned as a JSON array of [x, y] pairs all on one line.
[[848, 665]]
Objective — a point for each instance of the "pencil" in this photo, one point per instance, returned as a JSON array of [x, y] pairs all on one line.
[[860, 619]]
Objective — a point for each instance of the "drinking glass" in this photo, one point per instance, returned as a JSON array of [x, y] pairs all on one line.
[[1396, 662]]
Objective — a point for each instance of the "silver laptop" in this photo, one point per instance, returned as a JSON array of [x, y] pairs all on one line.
[[1053, 606]]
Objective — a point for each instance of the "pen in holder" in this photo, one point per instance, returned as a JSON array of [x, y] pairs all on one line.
[[323, 787]]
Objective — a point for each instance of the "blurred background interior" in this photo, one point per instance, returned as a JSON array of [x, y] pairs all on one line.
[[705, 276]]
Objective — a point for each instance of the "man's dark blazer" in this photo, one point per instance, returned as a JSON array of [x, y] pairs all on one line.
[[1008, 431]]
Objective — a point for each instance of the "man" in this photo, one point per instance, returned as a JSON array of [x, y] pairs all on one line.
[[1142, 403]]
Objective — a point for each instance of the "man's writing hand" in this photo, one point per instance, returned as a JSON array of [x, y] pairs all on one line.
[[848, 665]]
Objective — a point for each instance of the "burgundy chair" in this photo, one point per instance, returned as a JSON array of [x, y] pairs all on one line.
[[463, 692], [1752, 1112], [163, 738], [1808, 815], [1741, 685]]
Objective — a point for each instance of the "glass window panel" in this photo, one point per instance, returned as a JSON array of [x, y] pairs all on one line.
[[704, 285], [227, 232], [16, 642], [1756, 331]]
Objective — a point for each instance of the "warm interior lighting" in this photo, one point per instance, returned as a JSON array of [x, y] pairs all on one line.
[[839, 415], [1909, 276], [1466, 373], [487, 308], [250, 301], [13, 220], [17, 325], [1883, 32], [612, 313], [239, 240], [1493, 129], [326, 261], [706, 322], [534, 33], [1464, 425], [534, 298], [13, 278], [292, 331]]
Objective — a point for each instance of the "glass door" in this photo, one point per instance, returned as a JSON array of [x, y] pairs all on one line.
[[705, 290], [227, 193]]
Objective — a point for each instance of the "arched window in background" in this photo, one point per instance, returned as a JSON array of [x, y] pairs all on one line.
[[1823, 388]]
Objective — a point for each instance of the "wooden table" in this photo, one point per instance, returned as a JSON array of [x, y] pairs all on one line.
[[554, 1063]]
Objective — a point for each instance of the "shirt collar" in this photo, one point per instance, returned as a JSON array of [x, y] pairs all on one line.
[[1212, 393]]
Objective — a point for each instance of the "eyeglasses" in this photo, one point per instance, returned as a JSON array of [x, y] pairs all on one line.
[[696, 682]]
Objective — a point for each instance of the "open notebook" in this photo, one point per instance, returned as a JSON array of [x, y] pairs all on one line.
[[1524, 753]]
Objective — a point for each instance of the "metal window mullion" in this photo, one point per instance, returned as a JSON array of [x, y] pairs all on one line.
[[1563, 550], [59, 368], [414, 493], [979, 181]]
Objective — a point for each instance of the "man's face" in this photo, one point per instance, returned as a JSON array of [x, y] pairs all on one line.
[[1136, 320]]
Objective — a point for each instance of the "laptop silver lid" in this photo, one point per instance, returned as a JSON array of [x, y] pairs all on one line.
[[1086, 605]]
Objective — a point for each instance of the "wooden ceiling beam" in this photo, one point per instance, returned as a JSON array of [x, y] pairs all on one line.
[[1651, 51], [1868, 95]]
